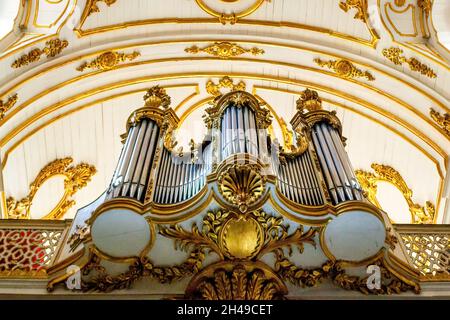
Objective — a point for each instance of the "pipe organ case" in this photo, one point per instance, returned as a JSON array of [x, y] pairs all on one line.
[[238, 125]]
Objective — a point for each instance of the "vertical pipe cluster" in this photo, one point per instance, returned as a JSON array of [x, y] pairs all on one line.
[[336, 166], [239, 132], [178, 179], [133, 170], [297, 180]]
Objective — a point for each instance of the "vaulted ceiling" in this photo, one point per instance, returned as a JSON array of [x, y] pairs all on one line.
[[73, 70]]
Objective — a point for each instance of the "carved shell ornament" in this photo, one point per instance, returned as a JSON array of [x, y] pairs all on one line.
[[242, 185]]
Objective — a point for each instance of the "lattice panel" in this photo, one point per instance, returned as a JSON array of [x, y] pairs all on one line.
[[26, 251], [429, 253]]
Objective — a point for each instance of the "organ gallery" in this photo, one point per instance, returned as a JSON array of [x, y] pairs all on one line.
[[224, 150]]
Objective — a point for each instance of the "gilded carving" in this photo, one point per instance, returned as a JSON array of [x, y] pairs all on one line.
[[108, 60], [345, 69], [80, 234], [226, 82], [359, 5], [75, 178], [224, 50], [92, 5], [142, 267], [275, 234], [242, 185], [368, 182], [425, 6], [52, 48], [242, 281], [309, 101], [442, 120], [395, 55], [391, 284], [5, 106]]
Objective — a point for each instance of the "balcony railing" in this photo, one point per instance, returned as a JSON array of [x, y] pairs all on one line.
[[428, 247], [29, 247]]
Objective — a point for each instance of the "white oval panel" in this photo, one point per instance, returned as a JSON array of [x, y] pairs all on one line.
[[120, 233], [355, 236]]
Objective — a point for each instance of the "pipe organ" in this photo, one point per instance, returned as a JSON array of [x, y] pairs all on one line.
[[252, 195], [313, 172]]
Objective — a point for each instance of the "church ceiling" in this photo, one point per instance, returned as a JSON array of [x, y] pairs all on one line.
[[73, 70]]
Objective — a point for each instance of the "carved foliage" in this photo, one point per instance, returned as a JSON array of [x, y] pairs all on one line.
[[395, 56], [345, 69], [108, 60], [52, 48], [224, 50]]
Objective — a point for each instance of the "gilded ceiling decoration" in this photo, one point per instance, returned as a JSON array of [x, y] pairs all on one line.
[[52, 49], [92, 5], [309, 101], [395, 56], [443, 120], [425, 6], [108, 60], [224, 50], [345, 69], [75, 178], [359, 5], [400, 3], [226, 82], [5, 106], [368, 181], [209, 7]]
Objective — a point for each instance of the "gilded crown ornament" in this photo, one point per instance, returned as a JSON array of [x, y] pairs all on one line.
[[309, 101], [156, 97]]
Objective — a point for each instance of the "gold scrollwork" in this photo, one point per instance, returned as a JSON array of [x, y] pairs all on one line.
[[5, 106], [395, 56], [224, 50], [76, 177], [264, 233], [359, 5], [108, 60], [425, 6], [92, 5], [391, 284], [52, 49], [226, 82], [442, 120], [368, 182], [345, 69], [229, 17]]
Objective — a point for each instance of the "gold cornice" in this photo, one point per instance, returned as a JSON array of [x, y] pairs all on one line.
[[5, 106], [52, 48], [224, 50], [442, 120], [345, 68], [395, 56], [368, 181], [75, 178], [108, 60], [300, 48]]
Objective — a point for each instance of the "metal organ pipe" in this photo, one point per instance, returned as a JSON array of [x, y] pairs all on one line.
[[335, 164], [133, 169]]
